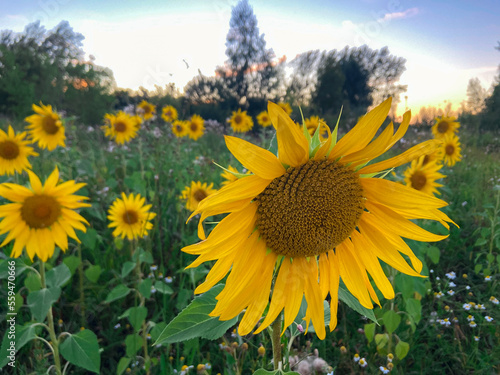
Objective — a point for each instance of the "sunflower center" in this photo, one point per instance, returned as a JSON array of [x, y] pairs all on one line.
[[199, 195], [49, 125], [193, 126], [237, 119], [40, 211], [120, 126], [418, 180], [443, 127], [130, 217], [9, 150], [310, 209], [179, 128], [449, 149], [146, 109]]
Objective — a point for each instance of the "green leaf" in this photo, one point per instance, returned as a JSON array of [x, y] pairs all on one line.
[[157, 330], [82, 349], [58, 276], [19, 267], [194, 321], [89, 238], [72, 262], [133, 343], [118, 292], [369, 331], [490, 258], [261, 371], [433, 253], [381, 339], [351, 301], [480, 242], [136, 316], [33, 282], [414, 308], [122, 365], [93, 272], [41, 301], [391, 321], [163, 288], [22, 335], [127, 268], [145, 287], [402, 349], [478, 268]]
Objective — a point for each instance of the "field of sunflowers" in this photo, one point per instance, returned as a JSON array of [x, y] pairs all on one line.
[[155, 244]]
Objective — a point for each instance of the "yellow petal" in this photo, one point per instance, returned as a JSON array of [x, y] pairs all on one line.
[[334, 288], [315, 307], [261, 162], [35, 183]]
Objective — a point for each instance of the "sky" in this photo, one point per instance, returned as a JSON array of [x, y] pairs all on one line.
[[155, 42]]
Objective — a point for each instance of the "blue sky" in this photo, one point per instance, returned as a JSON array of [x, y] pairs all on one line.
[[149, 42]]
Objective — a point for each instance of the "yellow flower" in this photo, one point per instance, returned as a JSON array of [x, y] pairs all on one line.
[[130, 217], [195, 193], [240, 121], [451, 150], [41, 216], [121, 127], [285, 107], [195, 127], [312, 124], [434, 157], [315, 214], [445, 125], [14, 152], [169, 113], [146, 110], [180, 128], [45, 127], [263, 119], [423, 177], [230, 177]]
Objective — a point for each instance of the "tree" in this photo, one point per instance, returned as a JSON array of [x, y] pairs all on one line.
[[490, 118], [476, 96]]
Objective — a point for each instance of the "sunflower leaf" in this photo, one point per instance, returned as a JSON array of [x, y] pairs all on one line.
[[354, 304], [41, 301], [82, 349]]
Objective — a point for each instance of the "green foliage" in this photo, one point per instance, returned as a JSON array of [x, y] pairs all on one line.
[[82, 349], [41, 301]]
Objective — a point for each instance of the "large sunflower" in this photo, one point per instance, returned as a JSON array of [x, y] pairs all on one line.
[[169, 113], [240, 121], [42, 216], [451, 150], [263, 119], [14, 152], [445, 125], [121, 127], [195, 127], [45, 127], [130, 217], [146, 110], [195, 193], [312, 215], [423, 177], [180, 128]]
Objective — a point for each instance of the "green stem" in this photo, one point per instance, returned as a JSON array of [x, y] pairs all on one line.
[[50, 318], [276, 341], [82, 295]]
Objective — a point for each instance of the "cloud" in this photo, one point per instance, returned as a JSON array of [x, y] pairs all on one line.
[[399, 15]]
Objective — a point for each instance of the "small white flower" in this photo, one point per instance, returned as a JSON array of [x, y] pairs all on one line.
[[439, 294], [118, 326], [452, 284], [208, 366], [467, 287], [431, 271], [363, 363], [479, 307], [451, 292], [493, 300], [473, 324], [466, 306], [384, 370], [154, 267], [488, 318], [487, 278], [476, 338], [438, 278], [168, 279], [356, 357], [455, 319], [464, 203], [451, 275], [470, 318], [153, 289]]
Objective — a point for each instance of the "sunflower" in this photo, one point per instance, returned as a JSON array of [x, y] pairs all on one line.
[[433, 157], [195, 193], [130, 217], [313, 215], [240, 121], [146, 110], [180, 128], [445, 125], [231, 174], [14, 152], [285, 107], [45, 127], [263, 119], [121, 127], [451, 150], [422, 176], [312, 124], [42, 216], [195, 127], [169, 113]]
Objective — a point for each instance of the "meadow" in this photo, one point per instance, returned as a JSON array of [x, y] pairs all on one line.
[[109, 302]]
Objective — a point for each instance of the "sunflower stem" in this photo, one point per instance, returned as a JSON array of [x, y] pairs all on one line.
[[82, 295], [276, 341], [50, 319]]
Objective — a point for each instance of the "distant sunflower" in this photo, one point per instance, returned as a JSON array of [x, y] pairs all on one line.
[[312, 124], [423, 177], [180, 128], [195, 127], [436, 156], [445, 125], [451, 150], [313, 215], [285, 107], [195, 193], [121, 127], [146, 110], [240, 121], [45, 127], [130, 217], [42, 216], [263, 119], [14, 152], [169, 113], [230, 177]]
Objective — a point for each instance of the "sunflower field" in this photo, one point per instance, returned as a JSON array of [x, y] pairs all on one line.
[[158, 243]]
